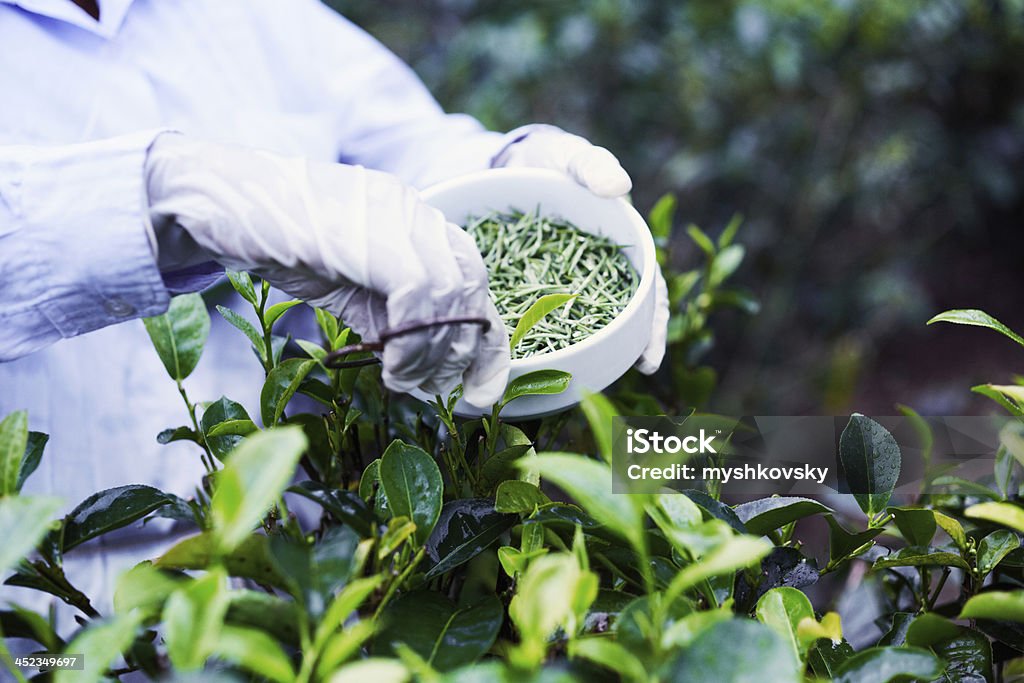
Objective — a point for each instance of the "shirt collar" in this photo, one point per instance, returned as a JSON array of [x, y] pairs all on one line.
[[112, 13]]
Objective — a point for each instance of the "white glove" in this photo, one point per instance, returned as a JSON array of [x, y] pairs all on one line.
[[356, 242], [597, 169]]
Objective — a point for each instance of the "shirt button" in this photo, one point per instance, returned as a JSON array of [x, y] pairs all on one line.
[[118, 308]]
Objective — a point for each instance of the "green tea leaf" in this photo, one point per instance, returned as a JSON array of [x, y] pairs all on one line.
[[242, 284], [536, 383], [611, 655], [920, 556], [24, 520], [735, 553], [916, 524], [99, 643], [519, 497], [884, 664], [589, 482], [33, 455], [464, 529], [535, 313], [1007, 514], [111, 509], [967, 653], [972, 316], [144, 588], [193, 618], [346, 506], [843, 544], [412, 483], [768, 514], [250, 559], [870, 459], [599, 412], [725, 264], [13, 442], [247, 328], [282, 383], [254, 651], [445, 635], [660, 217], [737, 650], [255, 476], [274, 313], [994, 547], [953, 529], [180, 334], [729, 233], [701, 239], [782, 610], [224, 424], [343, 605], [996, 605]]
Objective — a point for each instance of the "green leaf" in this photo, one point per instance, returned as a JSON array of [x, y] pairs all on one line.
[[445, 635], [346, 506], [972, 316], [590, 484], [250, 559], [243, 285], [519, 497], [870, 459], [994, 547], [735, 553], [99, 643], [611, 655], [255, 652], [995, 605], [535, 313], [701, 239], [554, 592], [374, 669], [464, 529], [111, 509], [24, 520], [343, 605], [599, 412], [1007, 514], [255, 476], [729, 233], [768, 514], [217, 417], [282, 383], [967, 653], [247, 328], [660, 217], [536, 383], [328, 325], [13, 442], [33, 455], [193, 617], [180, 334], [782, 610], [172, 434], [953, 529], [883, 664], [144, 588], [920, 556], [916, 524], [277, 310], [737, 650], [725, 264], [412, 483], [826, 657], [314, 351]]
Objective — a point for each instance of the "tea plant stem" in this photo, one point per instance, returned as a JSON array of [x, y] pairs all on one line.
[[399, 580], [938, 589], [207, 455]]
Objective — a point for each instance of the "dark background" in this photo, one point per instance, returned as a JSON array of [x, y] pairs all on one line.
[[875, 148]]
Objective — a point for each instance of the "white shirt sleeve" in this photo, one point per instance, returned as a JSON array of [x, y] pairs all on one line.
[[76, 253], [386, 118]]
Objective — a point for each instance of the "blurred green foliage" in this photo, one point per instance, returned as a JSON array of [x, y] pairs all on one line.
[[874, 146]]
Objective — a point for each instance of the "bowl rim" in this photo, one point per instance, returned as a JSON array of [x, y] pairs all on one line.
[[648, 256]]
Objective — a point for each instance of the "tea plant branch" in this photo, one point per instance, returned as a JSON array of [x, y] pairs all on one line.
[[207, 455], [938, 589]]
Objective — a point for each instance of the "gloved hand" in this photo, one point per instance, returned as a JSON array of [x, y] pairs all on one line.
[[597, 169], [356, 242]]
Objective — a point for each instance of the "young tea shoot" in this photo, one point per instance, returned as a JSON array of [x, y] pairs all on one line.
[[552, 283]]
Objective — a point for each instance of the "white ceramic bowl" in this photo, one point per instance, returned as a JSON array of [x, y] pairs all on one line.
[[603, 357]]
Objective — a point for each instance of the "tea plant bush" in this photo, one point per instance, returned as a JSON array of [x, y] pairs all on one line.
[[480, 550]]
